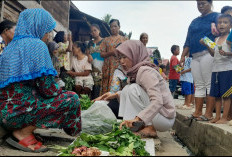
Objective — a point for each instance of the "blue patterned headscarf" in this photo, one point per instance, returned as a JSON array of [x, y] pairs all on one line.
[[27, 57]]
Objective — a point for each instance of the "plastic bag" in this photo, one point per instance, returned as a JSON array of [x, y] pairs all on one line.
[[98, 119]]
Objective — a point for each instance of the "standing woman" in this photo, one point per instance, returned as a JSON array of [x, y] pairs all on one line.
[[107, 48], [144, 40], [7, 29], [202, 61], [94, 57]]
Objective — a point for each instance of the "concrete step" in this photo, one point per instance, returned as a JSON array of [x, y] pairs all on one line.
[[204, 138]]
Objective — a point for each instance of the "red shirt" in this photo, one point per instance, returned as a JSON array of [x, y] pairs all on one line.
[[173, 75]]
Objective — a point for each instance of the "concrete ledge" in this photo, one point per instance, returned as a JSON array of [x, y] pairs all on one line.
[[2, 132], [204, 138]]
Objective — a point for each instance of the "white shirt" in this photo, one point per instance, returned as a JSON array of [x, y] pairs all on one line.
[[187, 77], [81, 65], [222, 63]]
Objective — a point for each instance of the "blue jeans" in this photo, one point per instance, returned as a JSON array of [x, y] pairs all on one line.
[[172, 85]]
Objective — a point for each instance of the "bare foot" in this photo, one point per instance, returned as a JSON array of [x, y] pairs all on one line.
[[222, 121], [19, 134], [229, 118], [214, 120], [147, 132]]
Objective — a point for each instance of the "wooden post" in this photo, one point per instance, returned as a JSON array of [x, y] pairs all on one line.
[[106, 29], [1, 10]]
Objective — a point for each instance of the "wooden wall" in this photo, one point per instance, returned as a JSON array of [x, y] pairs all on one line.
[[11, 10], [59, 10]]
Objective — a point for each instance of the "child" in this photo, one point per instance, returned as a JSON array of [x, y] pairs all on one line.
[[83, 78], [173, 75], [164, 70], [187, 86], [221, 82], [224, 10], [227, 10]]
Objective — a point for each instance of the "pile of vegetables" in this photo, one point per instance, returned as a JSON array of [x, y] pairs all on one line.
[[117, 143], [85, 102], [84, 151]]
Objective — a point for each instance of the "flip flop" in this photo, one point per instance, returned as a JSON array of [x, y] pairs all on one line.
[[190, 117], [24, 143], [203, 118]]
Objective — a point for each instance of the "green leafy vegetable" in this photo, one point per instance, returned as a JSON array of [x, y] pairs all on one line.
[[69, 83], [118, 142], [85, 102]]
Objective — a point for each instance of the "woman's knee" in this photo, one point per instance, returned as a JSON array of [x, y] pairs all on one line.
[[162, 123], [133, 89], [71, 96]]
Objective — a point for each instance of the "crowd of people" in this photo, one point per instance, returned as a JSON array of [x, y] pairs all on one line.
[[41, 84], [206, 72]]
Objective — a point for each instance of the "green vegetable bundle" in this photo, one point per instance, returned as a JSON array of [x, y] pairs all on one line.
[[118, 143], [85, 102], [69, 83]]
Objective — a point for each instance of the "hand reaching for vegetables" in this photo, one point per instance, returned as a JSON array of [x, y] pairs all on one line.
[[107, 96], [129, 123]]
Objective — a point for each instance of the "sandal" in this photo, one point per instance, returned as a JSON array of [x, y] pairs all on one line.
[[190, 117], [203, 118], [24, 143]]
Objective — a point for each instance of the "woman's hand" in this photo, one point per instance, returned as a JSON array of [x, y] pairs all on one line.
[[214, 30], [203, 43], [69, 36], [129, 123], [107, 96], [182, 60]]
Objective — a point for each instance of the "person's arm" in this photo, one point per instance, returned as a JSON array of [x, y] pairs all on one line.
[[90, 58], [74, 74], [186, 46], [69, 49], [214, 30], [145, 78], [185, 71], [184, 53], [107, 54], [84, 73], [223, 53], [103, 49], [108, 96], [229, 39], [47, 86]]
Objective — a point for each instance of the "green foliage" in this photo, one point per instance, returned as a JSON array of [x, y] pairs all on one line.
[[118, 142], [69, 83], [85, 102], [107, 18]]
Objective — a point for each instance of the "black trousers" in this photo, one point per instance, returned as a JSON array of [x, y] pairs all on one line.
[[114, 106]]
